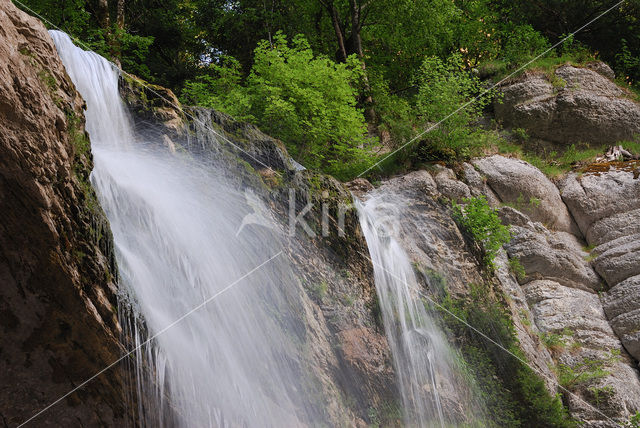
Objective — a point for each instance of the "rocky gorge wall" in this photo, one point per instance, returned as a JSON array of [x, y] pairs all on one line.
[[561, 295], [58, 316]]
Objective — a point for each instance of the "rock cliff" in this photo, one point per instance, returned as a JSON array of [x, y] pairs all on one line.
[[58, 314], [570, 105], [582, 300]]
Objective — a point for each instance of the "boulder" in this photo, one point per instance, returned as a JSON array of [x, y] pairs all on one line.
[[518, 183], [557, 256], [577, 105], [595, 196], [602, 69], [578, 313], [449, 185], [619, 259], [618, 225]]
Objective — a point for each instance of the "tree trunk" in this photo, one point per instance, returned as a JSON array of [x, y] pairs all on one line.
[[335, 20], [120, 15], [356, 27], [103, 14]]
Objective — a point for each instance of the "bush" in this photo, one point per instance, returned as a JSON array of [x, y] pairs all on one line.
[[309, 102], [220, 89], [523, 43], [585, 371], [517, 269], [443, 88], [627, 64], [394, 113], [483, 224], [116, 44]]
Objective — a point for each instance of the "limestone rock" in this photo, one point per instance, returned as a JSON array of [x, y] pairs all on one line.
[[619, 259], [614, 227], [597, 196], [517, 182], [512, 216], [449, 186], [602, 68], [622, 306], [557, 256], [359, 187], [581, 106], [557, 308]]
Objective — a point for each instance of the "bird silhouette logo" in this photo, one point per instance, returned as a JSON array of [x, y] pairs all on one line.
[[261, 215]]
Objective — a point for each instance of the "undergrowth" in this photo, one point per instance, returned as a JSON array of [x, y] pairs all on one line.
[[585, 371], [514, 395], [482, 223]]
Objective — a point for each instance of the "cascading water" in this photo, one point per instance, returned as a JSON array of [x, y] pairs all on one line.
[[233, 362], [237, 361], [434, 394]]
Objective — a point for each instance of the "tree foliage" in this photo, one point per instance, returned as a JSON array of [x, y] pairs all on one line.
[[417, 62], [443, 88], [307, 101]]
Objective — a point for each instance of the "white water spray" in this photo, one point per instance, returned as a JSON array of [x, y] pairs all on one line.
[[174, 221], [238, 360]]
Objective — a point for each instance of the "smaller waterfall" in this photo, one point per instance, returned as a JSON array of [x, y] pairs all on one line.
[[425, 364]]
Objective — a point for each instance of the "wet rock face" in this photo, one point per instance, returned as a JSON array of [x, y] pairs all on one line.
[[577, 105], [57, 300], [346, 356]]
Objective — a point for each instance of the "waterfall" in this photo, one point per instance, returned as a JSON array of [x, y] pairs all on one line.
[[434, 391], [177, 224], [235, 361]]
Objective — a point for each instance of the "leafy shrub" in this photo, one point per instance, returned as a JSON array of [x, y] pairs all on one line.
[[116, 44], [556, 342], [517, 269], [307, 101], [520, 135], [575, 50], [483, 224], [522, 44], [394, 113], [443, 89], [585, 371], [627, 64], [220, 89]]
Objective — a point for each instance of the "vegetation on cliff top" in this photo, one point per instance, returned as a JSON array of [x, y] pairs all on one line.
[[352, 73]]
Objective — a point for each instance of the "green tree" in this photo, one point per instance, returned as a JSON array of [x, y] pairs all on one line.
[[307, 101], [444, 87]]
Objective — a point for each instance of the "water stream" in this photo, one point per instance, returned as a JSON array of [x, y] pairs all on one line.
[[175, 223], [434, 394]]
